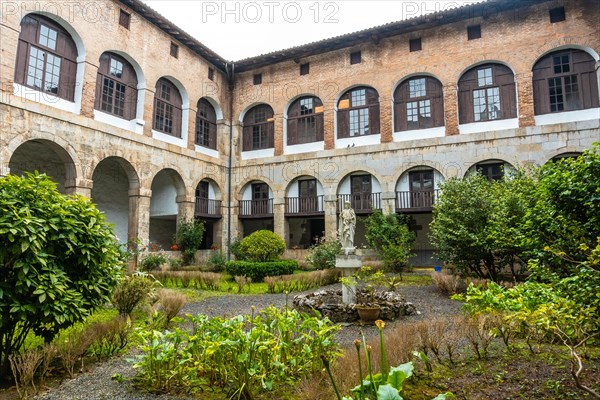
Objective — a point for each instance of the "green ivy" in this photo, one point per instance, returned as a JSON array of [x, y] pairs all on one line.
[[258, 270]]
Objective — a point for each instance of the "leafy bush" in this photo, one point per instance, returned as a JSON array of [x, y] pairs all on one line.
[[322, 254], [170, 302], [241, 355], [390, 237], [217, 260], [258, 270], [60, 260], [188, 238], [262, 246], [132, 291], [152, 261]]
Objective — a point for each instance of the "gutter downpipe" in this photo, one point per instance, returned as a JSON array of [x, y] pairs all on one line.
[[230, 68]]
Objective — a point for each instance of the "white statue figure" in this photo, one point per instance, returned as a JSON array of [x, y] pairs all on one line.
[[347, 226]]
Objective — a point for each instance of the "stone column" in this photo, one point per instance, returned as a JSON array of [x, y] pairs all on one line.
[[279, 219], [451, 108], [88, 96], [148, 111], [330, 206], [388, 202], [191, 143], [525, 110], [80, 186], [139, 216], [186, 208]]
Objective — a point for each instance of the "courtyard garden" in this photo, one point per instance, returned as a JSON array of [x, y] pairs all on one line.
[[514, 313]]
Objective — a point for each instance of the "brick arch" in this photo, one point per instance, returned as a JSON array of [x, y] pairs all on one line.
[[241, 187], [132, 175], [176, 174], [218, 191]]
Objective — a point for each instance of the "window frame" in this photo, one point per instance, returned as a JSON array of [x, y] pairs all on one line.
[[175, 104], [295, 118], [502, 78], [206, 125], [371, 107], [64, 49], [128, 79], [434, 93], [580, 65], [486, 169], [261, 129]]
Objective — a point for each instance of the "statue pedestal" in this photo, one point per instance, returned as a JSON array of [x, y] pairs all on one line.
[[349, 263]]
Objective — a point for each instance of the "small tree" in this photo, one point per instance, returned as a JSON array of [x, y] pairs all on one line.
[[60, 260], [188, 238], [322, 254], [459, 228], [390, 237], [262, 246]]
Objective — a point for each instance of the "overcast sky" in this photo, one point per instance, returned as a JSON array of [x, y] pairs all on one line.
[[241, 29]]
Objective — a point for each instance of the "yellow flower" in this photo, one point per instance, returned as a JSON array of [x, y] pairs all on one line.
[[380, 324]]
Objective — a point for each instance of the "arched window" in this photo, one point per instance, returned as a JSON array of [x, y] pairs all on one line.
[[418, 104], [565, 80], [305, 121], [116, 87], [46, 57], [358, 113], [258, 128], [167, 108], [206, 125], [486, 93]]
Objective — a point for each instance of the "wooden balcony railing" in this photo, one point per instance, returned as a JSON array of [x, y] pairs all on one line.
[[362, 203], [304, 205], [256, 208], [416, 201], [208, 208]]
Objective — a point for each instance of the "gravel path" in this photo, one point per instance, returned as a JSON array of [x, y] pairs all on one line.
[[98, 385]]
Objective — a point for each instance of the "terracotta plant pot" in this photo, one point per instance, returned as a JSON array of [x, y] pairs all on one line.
[[368, 314]]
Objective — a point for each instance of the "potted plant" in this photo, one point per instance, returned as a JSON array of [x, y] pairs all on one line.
[[368, 282]]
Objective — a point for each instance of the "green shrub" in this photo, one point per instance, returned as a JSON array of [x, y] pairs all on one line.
[[262, 246], [188, 238], [390, 237], [242, 355], [258, 270], [132, 291], [110, 337], [322, 255], [60, 260], [217, 260], [152, 261]]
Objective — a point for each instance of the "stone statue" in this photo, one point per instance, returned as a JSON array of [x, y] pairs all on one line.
[[347, 227]]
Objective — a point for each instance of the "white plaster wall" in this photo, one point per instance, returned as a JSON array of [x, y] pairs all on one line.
[[344, 187], [304, 148], [403, 184], [357, 141], [46, 98], [293, 187], [164, 196], [488, 126], [132, 125], [264, 153], [247, 193], [417, 134], [569, 116], [109, 193]]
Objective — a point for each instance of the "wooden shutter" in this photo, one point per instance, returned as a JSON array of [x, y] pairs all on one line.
[[505, 80], [247, 138], [343, 128], [400, 99], [319, 127], [271, 135], [68, 79], [466, 84], [584, 66], [292, 131], [374, 119], [435, 93], [21, 65], [542, 70]]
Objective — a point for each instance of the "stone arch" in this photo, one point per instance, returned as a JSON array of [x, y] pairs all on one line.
[[59, 163]]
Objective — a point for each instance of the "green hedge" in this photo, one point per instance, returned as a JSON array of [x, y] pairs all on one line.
[[258, 270]]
